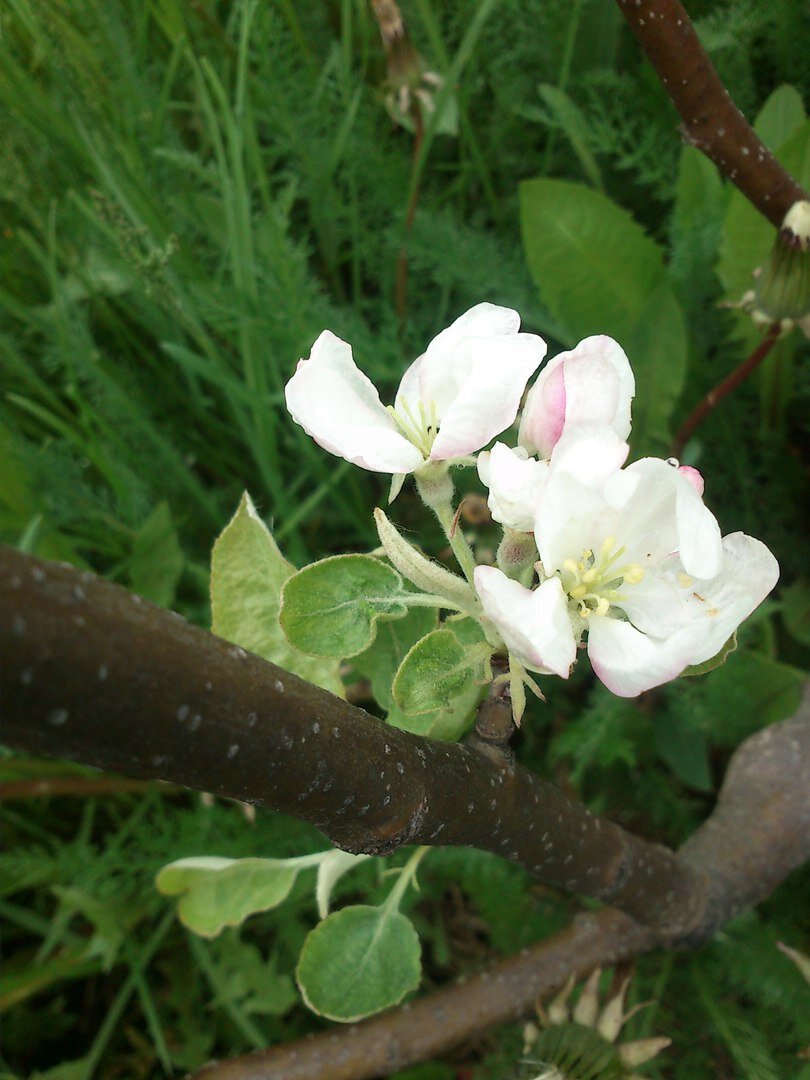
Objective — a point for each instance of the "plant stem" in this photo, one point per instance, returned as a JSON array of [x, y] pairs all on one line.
[[723, 389], [711, 120]]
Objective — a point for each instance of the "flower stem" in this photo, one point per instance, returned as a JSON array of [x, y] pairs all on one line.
[[723, 389], [436, 491]]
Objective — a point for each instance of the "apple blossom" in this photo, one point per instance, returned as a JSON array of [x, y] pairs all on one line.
[[592, 383], [632, 557], [453, 399]]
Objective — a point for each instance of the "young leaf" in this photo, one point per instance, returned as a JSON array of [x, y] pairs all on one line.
[[331, 869], [682, 746], [381, 660], [359, 961], [331, 608], [215, 893], [435, 672], [247, 575], [426, 574], [157, 558]]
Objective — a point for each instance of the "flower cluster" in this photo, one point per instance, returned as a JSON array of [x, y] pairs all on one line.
[[624, 559]]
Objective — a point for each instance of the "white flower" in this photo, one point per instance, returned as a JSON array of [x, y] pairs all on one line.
[[632, 557], [458, 395], [593, 384], [515, 481]]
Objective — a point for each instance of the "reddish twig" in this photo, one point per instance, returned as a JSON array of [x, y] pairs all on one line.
[[723, 389], [711, 120], [49, 786]]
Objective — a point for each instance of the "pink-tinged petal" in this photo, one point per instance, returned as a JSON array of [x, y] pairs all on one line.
[[694, 477], [515, 482], [534, 624], [543, 418], [629, 662], [716, 608], [339, 407], [496, 371], [591, 384]]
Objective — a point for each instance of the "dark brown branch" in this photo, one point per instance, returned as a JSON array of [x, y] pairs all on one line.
[[723, 389], [711, 120], [90, 672], [758, 833]]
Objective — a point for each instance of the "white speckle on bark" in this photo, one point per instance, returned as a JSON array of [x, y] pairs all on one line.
[[26, 676], [18, 626], [233, 750], [194, 722], [316, 728], [251, 719], [102, 672], [57, 717], [279, 685], [37, 574], [182, 713], [79, 592]]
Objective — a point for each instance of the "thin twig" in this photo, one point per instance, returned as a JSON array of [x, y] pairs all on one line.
[[723, 389], [50, 786], [711, 120], [401, 277]]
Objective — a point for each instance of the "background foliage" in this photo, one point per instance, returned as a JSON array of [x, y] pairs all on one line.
[[189, 193]]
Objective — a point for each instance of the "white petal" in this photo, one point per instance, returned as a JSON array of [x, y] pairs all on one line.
[[716, 608], [591, 384], [629, 662], [340, 408], [495, 374], [515, 482], [572, 512], [665, 514], [534, 624]]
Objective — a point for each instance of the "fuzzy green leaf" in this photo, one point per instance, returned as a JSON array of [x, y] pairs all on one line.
[[248, 573], [359, 961], [381, 660], [796, 611], [215, 893], [331, 608], [436, 671]]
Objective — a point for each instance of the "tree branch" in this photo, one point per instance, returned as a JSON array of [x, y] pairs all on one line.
[[89, 671], [92, 673], [711, 120], [758, 833]]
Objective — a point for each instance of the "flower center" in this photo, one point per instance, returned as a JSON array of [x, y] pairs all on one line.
[[420, 428], [594, 581]]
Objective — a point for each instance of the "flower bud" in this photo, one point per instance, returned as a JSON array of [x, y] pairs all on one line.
[[783, 287]]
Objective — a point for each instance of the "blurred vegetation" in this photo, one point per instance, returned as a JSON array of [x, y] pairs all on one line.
[[189, 193]]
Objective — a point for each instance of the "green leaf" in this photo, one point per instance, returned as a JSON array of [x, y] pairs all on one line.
[[331, 608], [381, 660], [683, 747], [359, 961], [780, 116], [599, 273], [215, 893], [714, 661], [248, 573], [748, 693], [157, 558], [796, 610], [436, 670], [331, 869]]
